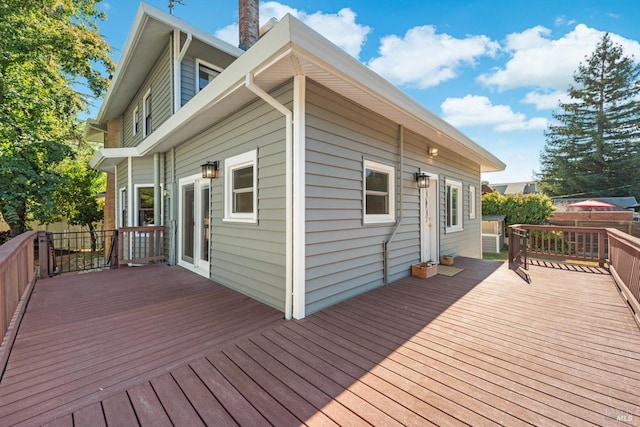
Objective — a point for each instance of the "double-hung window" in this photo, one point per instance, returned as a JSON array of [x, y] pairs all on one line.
[[241, 181], [136, 121], [379, 192], [146, 114], [454, 205]]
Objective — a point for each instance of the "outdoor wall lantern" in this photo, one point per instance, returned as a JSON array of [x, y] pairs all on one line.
[[210, 170], [432, 151], [422, 179]]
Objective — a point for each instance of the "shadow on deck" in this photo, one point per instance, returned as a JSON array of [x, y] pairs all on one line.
[[160, 346]]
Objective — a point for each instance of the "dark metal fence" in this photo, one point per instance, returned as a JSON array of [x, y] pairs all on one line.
[[77, 251]]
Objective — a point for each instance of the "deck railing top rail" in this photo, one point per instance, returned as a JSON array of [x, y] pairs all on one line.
[[17, 276]]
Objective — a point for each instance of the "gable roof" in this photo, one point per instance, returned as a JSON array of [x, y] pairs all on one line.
[[289, 48], [148, 36]]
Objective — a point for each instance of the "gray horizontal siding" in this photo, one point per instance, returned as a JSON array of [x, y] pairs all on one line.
[[199, 50], [247, 257], [159, 81], [344, 257]]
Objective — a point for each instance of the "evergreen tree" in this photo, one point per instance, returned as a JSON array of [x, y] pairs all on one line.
[[594, 149]]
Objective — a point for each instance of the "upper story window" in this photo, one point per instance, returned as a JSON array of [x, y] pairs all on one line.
[[146, 113], [136, 121], [454, 206], [379, 192], [205, 73], [240, 188]]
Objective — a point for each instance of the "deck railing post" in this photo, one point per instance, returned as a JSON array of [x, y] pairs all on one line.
[[601, 247], [44, 250]]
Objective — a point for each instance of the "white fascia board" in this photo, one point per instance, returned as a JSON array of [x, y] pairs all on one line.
[[145, 12], [102, 156], [125, 58], [316, 49]]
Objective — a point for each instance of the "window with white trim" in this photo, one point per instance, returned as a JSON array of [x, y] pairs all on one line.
[[240, 185], [472, 202], [135, 119], [146, 114], [123, 207], [454, 206], [379, 192], [205, 73]]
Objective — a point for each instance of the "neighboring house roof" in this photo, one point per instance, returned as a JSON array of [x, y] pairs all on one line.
[[619, 202], [289, 48], [526, 187]]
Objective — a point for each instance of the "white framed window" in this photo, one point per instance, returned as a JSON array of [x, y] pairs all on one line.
[[379, 192], [240, 188], [454, 206], [123, 207], [205, 73], [472, 202], [135, 121], [146, 114]]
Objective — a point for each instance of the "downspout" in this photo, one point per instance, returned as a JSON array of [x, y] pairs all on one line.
[[385, 245], [250, 84]]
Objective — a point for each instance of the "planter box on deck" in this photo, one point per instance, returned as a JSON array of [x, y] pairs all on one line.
[[424, 270], [446, 259]]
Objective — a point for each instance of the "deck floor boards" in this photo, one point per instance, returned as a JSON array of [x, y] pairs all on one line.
[[162, 346]]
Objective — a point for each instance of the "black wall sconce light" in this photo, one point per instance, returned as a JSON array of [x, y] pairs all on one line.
[[210, 170], [422, 179]]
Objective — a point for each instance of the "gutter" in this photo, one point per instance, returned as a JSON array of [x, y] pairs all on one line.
[[288, 114], [386, 243]]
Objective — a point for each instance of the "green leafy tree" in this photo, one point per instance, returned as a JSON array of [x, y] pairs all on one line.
[[518, 208], [48, 49], [594, 148], [77, 199]]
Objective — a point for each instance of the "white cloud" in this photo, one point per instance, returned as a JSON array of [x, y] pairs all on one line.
[[562, 20], [538, 61], [340, 28], [546, 100], [473, 110], [423, 58]]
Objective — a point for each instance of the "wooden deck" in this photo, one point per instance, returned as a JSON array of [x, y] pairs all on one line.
[[480, 348]]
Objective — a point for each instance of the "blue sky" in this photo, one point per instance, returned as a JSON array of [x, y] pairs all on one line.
[[495, 69]]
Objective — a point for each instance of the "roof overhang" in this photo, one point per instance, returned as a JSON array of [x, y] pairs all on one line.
[[291, 48]]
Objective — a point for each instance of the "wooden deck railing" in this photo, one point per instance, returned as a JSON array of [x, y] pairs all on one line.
[[576, 243], [624, 260], [139, 245], [17, 277], [607, 246]]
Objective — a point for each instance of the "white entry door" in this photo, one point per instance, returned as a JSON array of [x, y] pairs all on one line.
[[193, 224], [429, 221]]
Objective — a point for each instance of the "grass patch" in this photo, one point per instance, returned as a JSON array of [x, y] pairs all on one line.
[[503, 256]]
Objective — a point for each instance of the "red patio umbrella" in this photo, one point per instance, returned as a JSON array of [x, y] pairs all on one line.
[[591, 204]]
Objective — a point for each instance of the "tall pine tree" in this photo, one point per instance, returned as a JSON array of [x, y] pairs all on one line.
[[593, 149]]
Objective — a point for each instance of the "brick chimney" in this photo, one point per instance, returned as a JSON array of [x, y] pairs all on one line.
[[248, 23]]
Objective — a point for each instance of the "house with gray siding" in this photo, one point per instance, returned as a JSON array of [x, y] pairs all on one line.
[[316, 198]]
